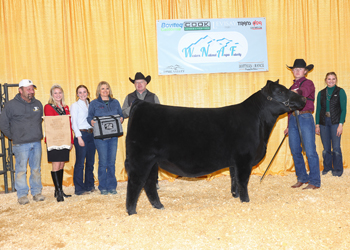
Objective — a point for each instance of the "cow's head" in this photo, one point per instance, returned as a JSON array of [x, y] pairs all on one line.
[[288, 100]]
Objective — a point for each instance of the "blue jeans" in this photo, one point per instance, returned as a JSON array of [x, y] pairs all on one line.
[[23, 153], [85, 155], [107, 153], [330, 139], [307, 126]]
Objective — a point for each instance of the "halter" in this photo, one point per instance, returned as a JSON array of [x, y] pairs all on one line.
[[286, 103]]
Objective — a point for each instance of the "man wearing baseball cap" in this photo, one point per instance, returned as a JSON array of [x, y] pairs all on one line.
[[21, 121]]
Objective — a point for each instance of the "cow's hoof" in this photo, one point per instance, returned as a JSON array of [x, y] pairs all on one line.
[[235, 195], [161, 207], [131, 212], [245, 199]]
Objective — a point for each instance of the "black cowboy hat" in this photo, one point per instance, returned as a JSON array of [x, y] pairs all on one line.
[[139, 76], [300, 63]]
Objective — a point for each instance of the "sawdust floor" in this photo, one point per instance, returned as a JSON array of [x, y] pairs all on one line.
[[198, 214]]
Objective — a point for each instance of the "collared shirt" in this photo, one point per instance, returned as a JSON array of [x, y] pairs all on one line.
[[79, 112], [307, 89], [126, 108]]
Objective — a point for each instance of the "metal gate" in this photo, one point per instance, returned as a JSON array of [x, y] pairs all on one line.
[[6, 153]]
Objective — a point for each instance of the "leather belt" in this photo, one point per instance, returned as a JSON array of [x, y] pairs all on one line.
[[328, 114], [303, 112], [90, 130]]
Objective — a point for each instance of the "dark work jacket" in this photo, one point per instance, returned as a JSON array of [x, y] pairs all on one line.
[[148, 98], [334, 106]]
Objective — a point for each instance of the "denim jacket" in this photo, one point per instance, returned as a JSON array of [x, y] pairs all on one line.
[[99, 108]]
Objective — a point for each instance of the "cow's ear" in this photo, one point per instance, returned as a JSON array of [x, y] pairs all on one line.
[[268, 83], [266, 89]]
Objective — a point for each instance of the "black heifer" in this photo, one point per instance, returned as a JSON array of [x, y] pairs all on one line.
[[193, 142]]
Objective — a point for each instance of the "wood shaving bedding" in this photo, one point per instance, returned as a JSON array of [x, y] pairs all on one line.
[[199, 214]]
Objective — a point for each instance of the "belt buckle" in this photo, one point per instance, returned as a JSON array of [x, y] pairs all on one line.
[[296, 112]]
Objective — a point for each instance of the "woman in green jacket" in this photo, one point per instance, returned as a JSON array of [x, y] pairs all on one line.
[[330, 118]]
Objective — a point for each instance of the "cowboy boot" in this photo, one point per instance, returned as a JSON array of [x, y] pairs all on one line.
[[60, 177], [58, 187]]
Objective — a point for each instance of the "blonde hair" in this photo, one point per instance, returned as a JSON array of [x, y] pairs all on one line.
[[331, 73], [51, 100], [88, 93], [99, 89]]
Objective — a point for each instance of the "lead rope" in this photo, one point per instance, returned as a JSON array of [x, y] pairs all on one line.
[[296, 114]]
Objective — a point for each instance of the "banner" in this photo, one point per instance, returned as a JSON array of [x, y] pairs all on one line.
[[57, 132], [211, 46]]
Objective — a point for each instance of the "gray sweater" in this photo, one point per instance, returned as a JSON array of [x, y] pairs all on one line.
[[21, 121]]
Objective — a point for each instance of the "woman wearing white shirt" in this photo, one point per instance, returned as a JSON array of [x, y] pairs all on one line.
[[83, 143]]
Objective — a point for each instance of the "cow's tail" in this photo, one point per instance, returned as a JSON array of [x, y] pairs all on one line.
[[126, 163]]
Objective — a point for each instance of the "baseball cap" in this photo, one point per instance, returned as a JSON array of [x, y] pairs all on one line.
[[26, 83]]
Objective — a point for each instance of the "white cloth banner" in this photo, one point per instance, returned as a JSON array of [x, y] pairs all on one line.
[[57, 132], [211, 46]]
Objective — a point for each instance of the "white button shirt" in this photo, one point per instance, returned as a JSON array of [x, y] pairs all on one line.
[[79, 113]]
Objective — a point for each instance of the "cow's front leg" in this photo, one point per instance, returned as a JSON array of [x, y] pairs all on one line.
[[234, 185], [243, 192], [243, 174]]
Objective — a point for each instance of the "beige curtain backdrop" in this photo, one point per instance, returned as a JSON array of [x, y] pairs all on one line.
[[73, 42]]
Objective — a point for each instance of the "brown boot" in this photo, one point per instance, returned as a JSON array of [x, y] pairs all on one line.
[[310, 186], [299, 184]]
